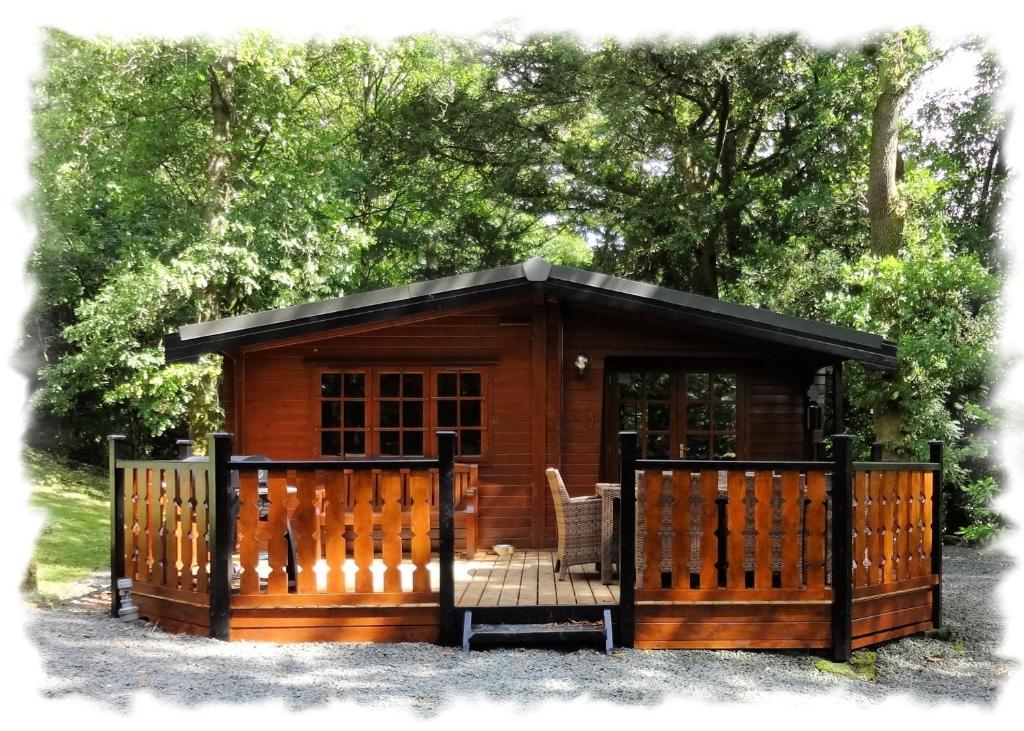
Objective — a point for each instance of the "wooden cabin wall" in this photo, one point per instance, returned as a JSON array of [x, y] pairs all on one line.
[[541, 413], [277, 419]]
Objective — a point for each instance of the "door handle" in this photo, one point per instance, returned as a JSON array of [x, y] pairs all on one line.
[[682, 451]]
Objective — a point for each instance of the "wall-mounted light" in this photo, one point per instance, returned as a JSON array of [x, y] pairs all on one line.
[[581, 362]]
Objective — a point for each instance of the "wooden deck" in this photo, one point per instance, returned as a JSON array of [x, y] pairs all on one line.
[[527, 578]]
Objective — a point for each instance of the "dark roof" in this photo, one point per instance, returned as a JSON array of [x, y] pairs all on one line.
[[532, 275]]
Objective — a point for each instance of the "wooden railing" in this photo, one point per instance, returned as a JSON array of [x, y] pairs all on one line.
[[841, 536], [746, 531], [308, 534], [334, 516]]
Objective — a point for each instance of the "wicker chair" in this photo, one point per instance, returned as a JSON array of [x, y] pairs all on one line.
[[579, 526]]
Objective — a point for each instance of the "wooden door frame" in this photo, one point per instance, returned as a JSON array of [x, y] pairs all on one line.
[[674, 367]]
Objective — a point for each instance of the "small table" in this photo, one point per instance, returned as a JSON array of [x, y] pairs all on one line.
[[609, 492]]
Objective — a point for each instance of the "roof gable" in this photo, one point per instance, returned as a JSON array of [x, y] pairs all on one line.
[[534, 274]]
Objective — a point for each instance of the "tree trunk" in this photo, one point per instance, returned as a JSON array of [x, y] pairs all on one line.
[[218, 166], [886, 210]]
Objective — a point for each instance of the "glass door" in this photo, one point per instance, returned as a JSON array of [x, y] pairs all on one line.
[[690, 411]]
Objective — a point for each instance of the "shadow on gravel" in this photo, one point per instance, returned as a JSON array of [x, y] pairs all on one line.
[[86, 653]]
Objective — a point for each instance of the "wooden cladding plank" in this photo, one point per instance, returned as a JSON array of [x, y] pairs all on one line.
[[891, 620], [737, 644], [895, 586], [708, 529], [131, 536], [362, 526], [277, 528], [248, 521], [816, 527], [186, 529], [873, 572], [873, 639], [334, 529], [384, 634], [703, 631], [304, 524], [681, 491], [202, 490], [735, 522], [792, 507], [730, 595], [927, 531], [887, 510], [334, 600], [735, 611], [916, 556], [419, 494], [391, 527], [902, 519], [885, 603], [154, 528], [763, 527], [860, 527], [652, 524]]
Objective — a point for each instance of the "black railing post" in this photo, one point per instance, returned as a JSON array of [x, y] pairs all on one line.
[[184, 448], [117, 445], [446, 520], [877, 451], [219, 455], [935, 454], [627, 538], [842, 548]]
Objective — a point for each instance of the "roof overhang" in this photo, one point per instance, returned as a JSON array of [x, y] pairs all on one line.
[[534, 275]]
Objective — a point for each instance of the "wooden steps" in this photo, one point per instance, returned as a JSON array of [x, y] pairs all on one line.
[[526, 633]]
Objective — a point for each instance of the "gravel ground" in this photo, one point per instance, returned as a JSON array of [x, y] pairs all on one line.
[[86, 653]]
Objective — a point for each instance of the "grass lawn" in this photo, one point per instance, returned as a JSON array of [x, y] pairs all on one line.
[[75, 540]]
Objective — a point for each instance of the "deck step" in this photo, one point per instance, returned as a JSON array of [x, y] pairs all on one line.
[[548, 633]]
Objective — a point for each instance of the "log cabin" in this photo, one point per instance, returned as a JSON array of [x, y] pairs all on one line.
[[524, 368]]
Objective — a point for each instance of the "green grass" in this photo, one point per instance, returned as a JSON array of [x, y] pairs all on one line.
[[861, 666], [75, 540]]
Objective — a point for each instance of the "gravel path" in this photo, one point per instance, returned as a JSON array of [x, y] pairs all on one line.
[[85, 653]]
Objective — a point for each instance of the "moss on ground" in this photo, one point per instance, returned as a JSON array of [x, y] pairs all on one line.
[[75, 540], [862, 666]]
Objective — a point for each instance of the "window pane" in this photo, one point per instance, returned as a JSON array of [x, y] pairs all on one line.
[[725, 446], [446, 413], [470, 442], [469, 413], [389, 413], [657, 416], [355, 442], [330, 443], [389, 443], [725, 386], [330, 414], [657, 446], [696, 386], [629, 385], [330, 385], [355, 414], [725, 417], [412, 414], [412, 385], [355, 385], [697, 416], [412, 443], [389, 384], [446, 384], [657, 385], [469, 384], [628, 420], [697, 447]]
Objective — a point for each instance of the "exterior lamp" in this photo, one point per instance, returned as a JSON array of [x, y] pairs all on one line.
[[582, 362]]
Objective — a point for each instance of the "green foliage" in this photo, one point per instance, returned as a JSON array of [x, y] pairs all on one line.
[[985, 523], [75, 540], [862, 666], [736, 167]]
